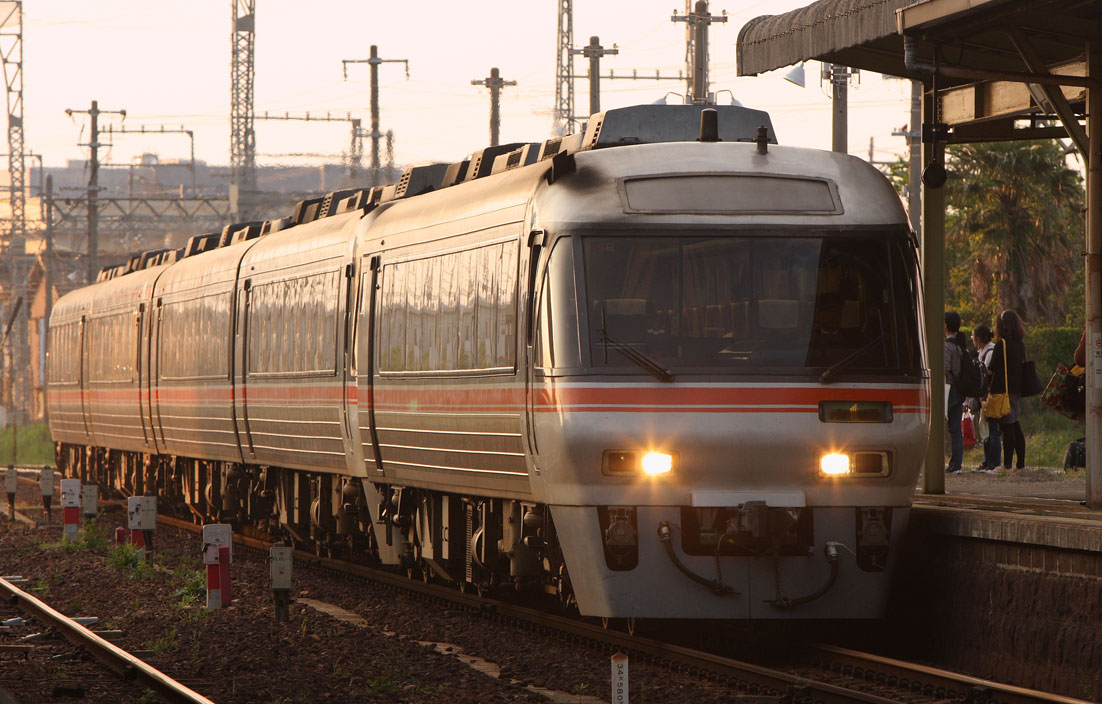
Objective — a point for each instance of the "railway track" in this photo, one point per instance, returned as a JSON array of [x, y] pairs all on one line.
[[837, 670], [128, 667]]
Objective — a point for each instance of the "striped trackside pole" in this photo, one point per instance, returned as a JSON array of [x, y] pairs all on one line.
[[70, 508], [217, 555]]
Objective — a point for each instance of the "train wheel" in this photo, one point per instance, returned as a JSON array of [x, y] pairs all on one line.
[[604, 622], [630, 624]]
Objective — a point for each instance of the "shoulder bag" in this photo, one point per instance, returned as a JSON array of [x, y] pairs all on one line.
[[998, 405], [1031, 383]]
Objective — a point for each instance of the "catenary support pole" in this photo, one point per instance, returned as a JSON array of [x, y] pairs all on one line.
[[933, 280], [1094, 280], [495, 83]]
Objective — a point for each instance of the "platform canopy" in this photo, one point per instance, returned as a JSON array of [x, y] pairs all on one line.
[[997, 36]]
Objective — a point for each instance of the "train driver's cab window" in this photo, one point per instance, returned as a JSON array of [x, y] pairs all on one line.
[[557, 324], [761, 302]]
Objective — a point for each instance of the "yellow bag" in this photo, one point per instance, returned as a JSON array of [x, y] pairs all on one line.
[[997, 406]]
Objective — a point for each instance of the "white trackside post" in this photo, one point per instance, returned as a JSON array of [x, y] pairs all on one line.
[[141, 514], [619, 679], [11, 484], [70, 508], [89, 500], [217, 555], [281, 581], [46, 485]]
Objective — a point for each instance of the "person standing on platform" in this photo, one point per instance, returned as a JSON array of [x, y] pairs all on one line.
[[956, 346], [992, 446], [1009, 346]]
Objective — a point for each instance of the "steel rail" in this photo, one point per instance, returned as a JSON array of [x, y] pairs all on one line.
[[754, 678], [113, 657], [936, 682]]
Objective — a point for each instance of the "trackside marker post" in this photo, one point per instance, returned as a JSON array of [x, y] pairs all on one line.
[[89, 500], [11, 483], [619, 679], [70, 508], [46, 485], [281, 581], [217, 555], [141, 519]]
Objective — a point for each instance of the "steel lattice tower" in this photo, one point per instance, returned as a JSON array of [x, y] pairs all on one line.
[[11, 52], [242, 134], [564, 68]]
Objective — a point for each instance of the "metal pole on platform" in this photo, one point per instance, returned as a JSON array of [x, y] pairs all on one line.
[[933, 278], [1093, 283]]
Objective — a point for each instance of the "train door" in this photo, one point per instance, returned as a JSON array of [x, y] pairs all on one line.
[[82, 379], [364, 359], [139, 322], [241, 370], [156, 330], [535, 248]]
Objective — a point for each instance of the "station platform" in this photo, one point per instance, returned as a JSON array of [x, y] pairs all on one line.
[[1002, 578]]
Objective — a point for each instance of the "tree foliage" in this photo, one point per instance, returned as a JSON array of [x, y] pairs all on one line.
[[1014, 228]]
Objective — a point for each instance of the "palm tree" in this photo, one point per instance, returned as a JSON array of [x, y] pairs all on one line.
[[1014, 228]]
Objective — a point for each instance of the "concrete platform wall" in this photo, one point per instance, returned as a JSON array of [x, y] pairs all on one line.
[[1004, 596]]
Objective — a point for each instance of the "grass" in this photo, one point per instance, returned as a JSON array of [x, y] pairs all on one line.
[[1047, 435], [35, 445], [129, 559]]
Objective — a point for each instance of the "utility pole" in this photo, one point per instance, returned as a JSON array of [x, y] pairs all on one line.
[[356, 149], [495, 83], [112, 131], [48, 267], [698, 21], [376, 135], [93, 184], [594, 51], [564, 69], [839, 85], [243, 190]]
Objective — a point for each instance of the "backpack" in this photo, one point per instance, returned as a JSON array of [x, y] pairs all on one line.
[[975, 379]]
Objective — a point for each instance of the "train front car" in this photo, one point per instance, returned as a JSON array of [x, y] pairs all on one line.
[[729, 396]]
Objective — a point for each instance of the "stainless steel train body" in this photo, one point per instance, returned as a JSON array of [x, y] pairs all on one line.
[[476, 381]]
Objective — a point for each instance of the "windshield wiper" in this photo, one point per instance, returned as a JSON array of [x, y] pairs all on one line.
[[641, 359], [845, 361]]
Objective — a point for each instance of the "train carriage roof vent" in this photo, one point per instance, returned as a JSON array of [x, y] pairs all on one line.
[[648, 124], [420, 179], [455, 173], [331, 201], [151, 258], [271, 226], [229, 232], [517, 158], [360, 198], [247, 233], [133, 263], [566, 143], [388, 193], [482, 161], [306, 210], [202, 243], [104, 273], [170, 256]]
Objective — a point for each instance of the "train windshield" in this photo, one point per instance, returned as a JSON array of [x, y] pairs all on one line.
[[763, 304]]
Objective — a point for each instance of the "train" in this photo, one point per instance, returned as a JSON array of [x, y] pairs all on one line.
[[662, 368]]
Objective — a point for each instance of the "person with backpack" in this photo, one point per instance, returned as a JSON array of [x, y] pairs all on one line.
[[992, 445], [956, 346]]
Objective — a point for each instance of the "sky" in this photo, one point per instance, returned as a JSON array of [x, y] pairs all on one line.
[[168, 63]]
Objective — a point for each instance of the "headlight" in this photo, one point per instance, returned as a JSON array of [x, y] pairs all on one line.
[[655, 463], [834, 464], [634, 463]]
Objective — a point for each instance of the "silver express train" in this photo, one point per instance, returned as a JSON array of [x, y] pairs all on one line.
[[661, 368]]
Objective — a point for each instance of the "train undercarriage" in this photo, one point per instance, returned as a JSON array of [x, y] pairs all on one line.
[[478, 543]]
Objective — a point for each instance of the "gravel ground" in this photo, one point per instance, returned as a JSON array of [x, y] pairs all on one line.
[[242, 654]]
